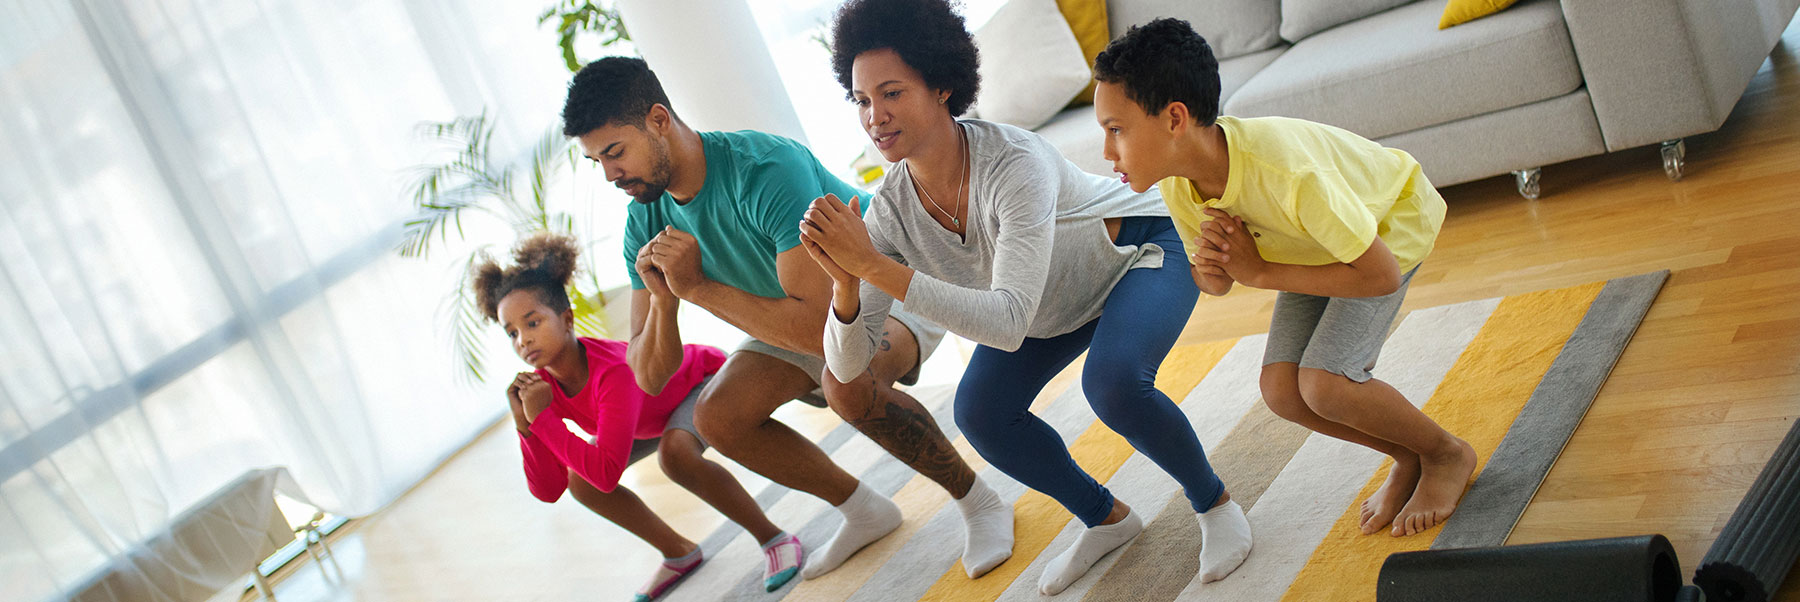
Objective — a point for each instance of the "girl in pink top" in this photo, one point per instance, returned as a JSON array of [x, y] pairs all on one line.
[[586, 381]]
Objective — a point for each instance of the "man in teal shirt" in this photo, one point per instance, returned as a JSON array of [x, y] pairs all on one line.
[[716, 224]]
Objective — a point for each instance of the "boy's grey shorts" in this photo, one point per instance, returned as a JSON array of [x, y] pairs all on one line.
[[681, 419], [1340, 335], [926, 332]]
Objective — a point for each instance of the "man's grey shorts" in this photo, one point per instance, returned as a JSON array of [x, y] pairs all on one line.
[[681, 419], [928, 334], [1340, 335]]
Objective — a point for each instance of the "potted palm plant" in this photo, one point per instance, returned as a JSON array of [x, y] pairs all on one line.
[[474, 185]]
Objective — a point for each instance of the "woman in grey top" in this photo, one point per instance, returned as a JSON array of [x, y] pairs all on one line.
[[987, 230]]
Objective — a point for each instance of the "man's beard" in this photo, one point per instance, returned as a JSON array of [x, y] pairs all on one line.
[[661, 173]]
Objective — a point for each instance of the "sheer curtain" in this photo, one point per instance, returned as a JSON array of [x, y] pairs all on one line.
[[198, 205]]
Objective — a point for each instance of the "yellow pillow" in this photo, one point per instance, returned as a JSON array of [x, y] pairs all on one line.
[[1087, 19], [1459, 12]]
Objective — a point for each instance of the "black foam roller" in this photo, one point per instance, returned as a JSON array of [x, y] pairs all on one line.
[[1759, 545], [1620, 569]]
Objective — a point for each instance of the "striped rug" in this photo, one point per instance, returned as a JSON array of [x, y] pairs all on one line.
[[1513, 376]]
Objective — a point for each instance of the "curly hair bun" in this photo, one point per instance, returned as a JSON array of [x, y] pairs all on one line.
[[553, 253]]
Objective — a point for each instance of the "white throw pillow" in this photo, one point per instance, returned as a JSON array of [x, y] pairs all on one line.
[[1031, 65]]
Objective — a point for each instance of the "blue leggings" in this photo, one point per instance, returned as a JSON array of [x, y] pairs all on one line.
[[1139, 323]]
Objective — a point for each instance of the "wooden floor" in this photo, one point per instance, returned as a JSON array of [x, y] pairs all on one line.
[[1695, 407]]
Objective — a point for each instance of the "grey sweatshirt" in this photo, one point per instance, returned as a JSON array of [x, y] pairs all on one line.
[[1034, 227]]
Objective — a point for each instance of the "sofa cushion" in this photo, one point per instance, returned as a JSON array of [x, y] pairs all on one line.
[[1301, 18], [1078, 136], [1031, 64], [1232, 27], [1087, 20], [1395, 71]]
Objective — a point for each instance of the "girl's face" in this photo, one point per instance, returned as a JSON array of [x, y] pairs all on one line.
[[538, 334], [896, 107]]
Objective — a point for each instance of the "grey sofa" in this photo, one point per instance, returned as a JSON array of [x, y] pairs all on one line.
[[1541, 82]]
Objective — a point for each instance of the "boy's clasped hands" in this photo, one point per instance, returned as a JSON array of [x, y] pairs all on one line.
[[1226, 254]]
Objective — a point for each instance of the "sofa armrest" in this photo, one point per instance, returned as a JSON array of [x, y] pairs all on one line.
[[1664, 69]]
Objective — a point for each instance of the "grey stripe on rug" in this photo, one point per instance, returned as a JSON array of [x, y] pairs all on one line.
[[1493, 505]]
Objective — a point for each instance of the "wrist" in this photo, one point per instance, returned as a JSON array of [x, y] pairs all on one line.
[[701, 292], [666, 301]]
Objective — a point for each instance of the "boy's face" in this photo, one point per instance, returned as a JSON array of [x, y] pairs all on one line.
[[635, 159], [1137, 143]]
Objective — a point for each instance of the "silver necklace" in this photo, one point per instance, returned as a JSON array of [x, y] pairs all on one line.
[[961, 181]]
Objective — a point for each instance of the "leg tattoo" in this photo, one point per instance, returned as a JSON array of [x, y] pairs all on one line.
[[908, 432]]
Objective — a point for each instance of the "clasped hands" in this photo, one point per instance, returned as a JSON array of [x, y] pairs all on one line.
[[835, 236], [1225, 253], [529, 395], [670, 266]]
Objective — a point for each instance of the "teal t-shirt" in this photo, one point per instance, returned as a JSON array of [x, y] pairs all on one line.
[[757, 189]]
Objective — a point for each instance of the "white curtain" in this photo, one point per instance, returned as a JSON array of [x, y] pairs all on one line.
[[199, 201]]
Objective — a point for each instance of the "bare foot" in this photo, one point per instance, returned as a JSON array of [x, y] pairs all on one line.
[[1379, 510], [1441, 485]]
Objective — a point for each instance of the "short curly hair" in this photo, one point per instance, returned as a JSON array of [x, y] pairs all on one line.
[[612, 90], [1161, 62], [928, 35], [543, 263]]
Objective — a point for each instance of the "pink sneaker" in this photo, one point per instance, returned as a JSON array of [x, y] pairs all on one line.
[[671, 571], [784, 555]]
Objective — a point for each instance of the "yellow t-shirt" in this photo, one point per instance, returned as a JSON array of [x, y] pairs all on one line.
[[1314, 194]]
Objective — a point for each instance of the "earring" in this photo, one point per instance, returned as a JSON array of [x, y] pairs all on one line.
[[941, 100]]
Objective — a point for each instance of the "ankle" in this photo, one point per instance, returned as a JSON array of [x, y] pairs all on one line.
[[1448, 450], [1119, 511], [679, 551]]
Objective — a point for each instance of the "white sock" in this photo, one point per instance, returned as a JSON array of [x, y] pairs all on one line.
[[1069, 566], [987, 529], [868, 516], [1224, 541]]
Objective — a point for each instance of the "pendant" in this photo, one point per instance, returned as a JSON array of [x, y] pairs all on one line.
[[956, 222]]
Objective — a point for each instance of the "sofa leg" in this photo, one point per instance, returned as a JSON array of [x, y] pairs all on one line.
[[1528, 182], [1674, 156]]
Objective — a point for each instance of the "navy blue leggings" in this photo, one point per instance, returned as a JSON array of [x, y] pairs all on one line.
[[1141, 319]]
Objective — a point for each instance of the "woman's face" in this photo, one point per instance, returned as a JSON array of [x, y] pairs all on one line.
[[538, 334], [897, 109]]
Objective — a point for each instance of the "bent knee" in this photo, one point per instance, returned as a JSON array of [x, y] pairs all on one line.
[[849, 399], [1324, 392], [1316, 384], [680, 466], [718, 421]]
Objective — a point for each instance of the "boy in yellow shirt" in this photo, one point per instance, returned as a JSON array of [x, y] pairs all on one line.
[[1336, 222]]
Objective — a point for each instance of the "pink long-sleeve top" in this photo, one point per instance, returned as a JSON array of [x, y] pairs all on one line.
[[613, 409]]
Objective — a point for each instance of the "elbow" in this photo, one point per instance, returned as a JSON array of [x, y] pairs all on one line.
[[546, 495], [1386, 283], [651, 386], [1012, 336]]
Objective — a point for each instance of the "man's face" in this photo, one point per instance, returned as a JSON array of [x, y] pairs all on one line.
[[634, 158], [1136, 142]]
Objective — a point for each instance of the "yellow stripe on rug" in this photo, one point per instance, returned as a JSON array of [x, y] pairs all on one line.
[[1478, 400], [1037, 518]]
